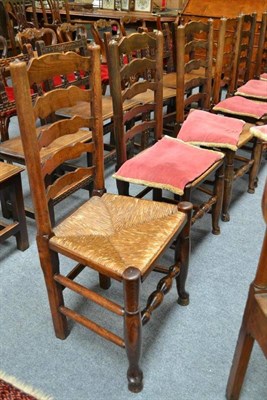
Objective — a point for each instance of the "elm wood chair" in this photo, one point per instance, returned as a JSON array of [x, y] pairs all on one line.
[[7, 101], [10, 184], [112, 225], [168, 163], [254, 324], [41, 70], [31, 35]]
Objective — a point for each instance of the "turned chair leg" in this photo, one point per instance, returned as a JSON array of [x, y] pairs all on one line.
[[228, 184], [182, 252], [16, 197], [218, 193], [253, 173], [133, 327]]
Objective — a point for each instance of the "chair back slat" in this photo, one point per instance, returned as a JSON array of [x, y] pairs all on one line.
[[44, 107]]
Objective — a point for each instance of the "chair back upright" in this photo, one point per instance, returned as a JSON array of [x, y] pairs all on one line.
[[194, 53], [135, 68], [261, 58], [36, 142], [3, 45]]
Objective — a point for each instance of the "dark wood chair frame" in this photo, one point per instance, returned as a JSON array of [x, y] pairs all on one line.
[[254, 323], [49, 252]]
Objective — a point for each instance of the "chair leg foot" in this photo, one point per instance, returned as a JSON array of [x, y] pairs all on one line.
[[226, 217], [251, 190], [216, 231], [183, 301], [135, 380]]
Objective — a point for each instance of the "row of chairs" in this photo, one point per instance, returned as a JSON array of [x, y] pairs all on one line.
[[149, 227]]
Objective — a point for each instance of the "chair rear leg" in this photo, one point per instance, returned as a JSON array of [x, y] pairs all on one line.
[[123, 187], [50, 266], [133, 327]]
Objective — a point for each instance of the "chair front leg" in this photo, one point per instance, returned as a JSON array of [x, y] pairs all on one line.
[[218, 193], [228, 184], [182, 253], [253, 173], [133, 327]]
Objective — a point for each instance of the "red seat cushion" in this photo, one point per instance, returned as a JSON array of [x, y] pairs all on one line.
[[104, 72], [253, 88], [239, 105], [169, 164], [210, 130]]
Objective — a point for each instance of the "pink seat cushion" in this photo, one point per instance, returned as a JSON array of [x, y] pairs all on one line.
[[260, 132], [169, 164], [253, 88], [211, 130], [239, 105], [263, 76]]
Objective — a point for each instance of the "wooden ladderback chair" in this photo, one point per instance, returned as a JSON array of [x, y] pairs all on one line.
[[51, 10], [16, 19], [7, 101], [102, 232], [254, 323], [165, 160], [31, 35], [99, 27]]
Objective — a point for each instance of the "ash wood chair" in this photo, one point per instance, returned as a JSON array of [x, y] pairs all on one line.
[[254, 324], [166, 163], [228, 135], [112, 225], [40, 70], [10, 186]]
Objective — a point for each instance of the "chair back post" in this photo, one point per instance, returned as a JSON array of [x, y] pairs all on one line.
[[96, 107], [260, 281], [208, 75], [219, 62], [180, 72], [116, 93], [20, 80], [261, 44]]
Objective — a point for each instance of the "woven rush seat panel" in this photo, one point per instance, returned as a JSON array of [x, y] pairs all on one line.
[[118, 224]]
